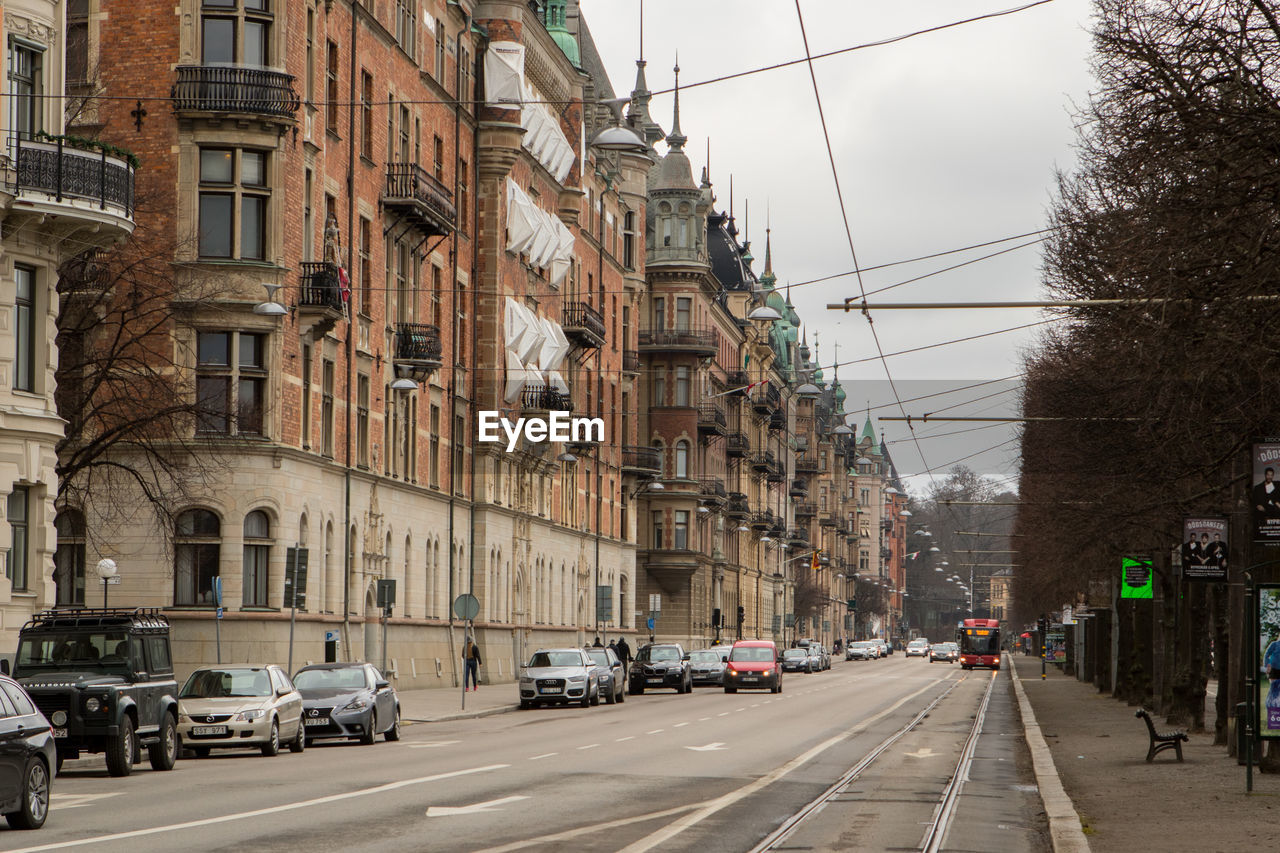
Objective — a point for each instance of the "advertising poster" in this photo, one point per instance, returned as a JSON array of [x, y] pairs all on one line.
[[1136, 578], [1055, 644], [1264, 493], [1269, 660], [1204, 549]]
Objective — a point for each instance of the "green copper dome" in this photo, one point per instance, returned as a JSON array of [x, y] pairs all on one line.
[[554, 21]]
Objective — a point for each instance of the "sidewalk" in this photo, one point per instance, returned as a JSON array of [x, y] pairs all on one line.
[[440, 704], [1099, 749]]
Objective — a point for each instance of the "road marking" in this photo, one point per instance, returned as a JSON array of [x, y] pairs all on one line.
[[723, 714], [433, 744], [544, 755], [589, 746], [628, 737], [757, 705], [736, 710], [703, 719], [924, 752], [711, 747], [678, 725], [491, 805], [213, 821], [655, 731], [75, 801], [593, 829]]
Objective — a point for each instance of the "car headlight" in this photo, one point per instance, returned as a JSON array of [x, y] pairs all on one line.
[[733, 672], [767, 672], [357, 704], [91, 704], [246, 716], [577, 679], [526, 682]]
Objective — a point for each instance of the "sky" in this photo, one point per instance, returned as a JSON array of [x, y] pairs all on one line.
[[941, 141]]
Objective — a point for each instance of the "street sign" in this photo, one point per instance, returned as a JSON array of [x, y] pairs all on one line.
[[652, 623], [217, 590], [1136, 580], [331, 636], [466, 606], [655, 602], [295, 564], [604, 603], [219, 612], [386, 594]]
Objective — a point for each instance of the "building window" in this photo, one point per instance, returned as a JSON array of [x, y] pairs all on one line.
[[462, 194], [309, 85], [433, 453], [684, 311], [629, 240], [366, 266], [331, 89], [659, 387], [406, 31], [77, 41], [366, 115], [682, 386], [235, 32], [230, 391], [307, 366], [233, 203], [464, 77], [197, 550], [68, 559], [441, 36], [657, 530], [437, 145], [682, 530], [682, 460], [659, 317], [459, 452], [362, 421], [326, 408], [17, 559], [24, 328], [257, 558], [26, 86]]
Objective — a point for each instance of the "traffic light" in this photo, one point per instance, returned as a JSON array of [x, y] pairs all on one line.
[[715, 617]]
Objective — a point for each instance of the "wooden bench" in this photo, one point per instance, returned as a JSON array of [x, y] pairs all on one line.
[[1161, 740]]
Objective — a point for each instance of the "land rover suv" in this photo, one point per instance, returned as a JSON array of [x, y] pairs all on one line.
[[104, 680]]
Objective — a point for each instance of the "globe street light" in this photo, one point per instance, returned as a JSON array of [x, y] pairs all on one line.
[[107, 570]]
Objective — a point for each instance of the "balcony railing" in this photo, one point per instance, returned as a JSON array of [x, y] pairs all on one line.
[[807, 463], [762, 520], [777, 419], [319, 287], [544, 398], [712, 489], [700, 341], [766, 399], [418, 345], [711, 418], [425, 201], [762, 462], [806, 510], [234, 89], [737, 444], [829, 521], [775, 473], [738, 381], [641, 460], [583, 325], [630, 361], [66, 171], [737, 506], [799, 488]]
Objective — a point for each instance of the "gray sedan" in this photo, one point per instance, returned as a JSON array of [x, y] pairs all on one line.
[[708, 665], [559, 676], [611, 678], [347, 700]]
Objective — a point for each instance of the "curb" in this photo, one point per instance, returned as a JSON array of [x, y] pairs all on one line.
[[1064, 822], [463, 715]]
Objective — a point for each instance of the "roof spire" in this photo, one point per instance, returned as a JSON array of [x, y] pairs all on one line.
[[675, 138]]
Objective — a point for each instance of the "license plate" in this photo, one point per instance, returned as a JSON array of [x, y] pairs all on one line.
[[208, 730], [548, 689], [655, 680], [750, 678], [59, 732], [316, 721]]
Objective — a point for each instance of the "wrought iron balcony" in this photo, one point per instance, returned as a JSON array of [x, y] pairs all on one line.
[[712, 490], [777, 419], [762, 520], [765, 400], [630, 361], [544, 398], [414, 194], [418, 348], [319, 287], [807, 463], [763, 462], [806, 510], [829, 521], [711, 419], [738, 381], [696, 341], [737, 445], [737, 506], [56, 171], [776, 473], [234, 89], [799, 488], [641, 460], [798, 534], [583, 325]]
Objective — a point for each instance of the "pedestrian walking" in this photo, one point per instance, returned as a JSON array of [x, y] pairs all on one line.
[[613, 647], [471, 660], [624, 651], [597, 644]]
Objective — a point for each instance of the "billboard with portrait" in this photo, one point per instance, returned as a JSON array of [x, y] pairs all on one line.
[[1264, 492], [1204, 549]]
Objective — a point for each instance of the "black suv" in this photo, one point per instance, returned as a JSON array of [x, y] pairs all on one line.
[[659, 665], [104, 680]]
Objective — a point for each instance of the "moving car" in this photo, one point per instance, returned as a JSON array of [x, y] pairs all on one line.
[[886, 648], [753, 665], [918, 647], [28, 758], [797, 660], [609, 674], [659, 665], [347, 700], [234, 707], [862, 650], [558, 677], [948, 652], [708, 665], [814, 651]]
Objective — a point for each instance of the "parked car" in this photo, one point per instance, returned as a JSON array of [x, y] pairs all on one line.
[[103, 678], [708, 665], [862, 650], [234, 707], [558, 677], [347, 700], [610, 678], [659, 665], [28, 758], [815, 657], [824, 655], [797, 660], [948, 652], [918, 648], [886, 648], [753, 665]]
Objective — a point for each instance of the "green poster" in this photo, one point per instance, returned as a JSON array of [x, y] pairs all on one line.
[[1136, 578]]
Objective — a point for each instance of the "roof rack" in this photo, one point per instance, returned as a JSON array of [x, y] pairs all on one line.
[[95, 617]]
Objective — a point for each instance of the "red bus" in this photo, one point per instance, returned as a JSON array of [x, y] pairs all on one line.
[[979, 643]]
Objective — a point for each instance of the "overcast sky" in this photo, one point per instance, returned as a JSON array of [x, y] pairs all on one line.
[[941, 141]]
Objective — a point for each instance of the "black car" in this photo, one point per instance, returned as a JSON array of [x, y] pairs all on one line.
[[660, 665], [103, 678], [347, 700], [797, 660], [609, 674], [28, 758]]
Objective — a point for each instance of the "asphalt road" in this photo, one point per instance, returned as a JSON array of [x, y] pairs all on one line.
[[705, 772]]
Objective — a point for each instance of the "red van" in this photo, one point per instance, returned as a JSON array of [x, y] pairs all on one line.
[[753, 665]]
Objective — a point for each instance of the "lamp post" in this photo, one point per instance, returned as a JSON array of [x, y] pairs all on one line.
[[107, 570]]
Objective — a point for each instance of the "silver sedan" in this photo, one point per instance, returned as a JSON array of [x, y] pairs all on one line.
[[559, 676]]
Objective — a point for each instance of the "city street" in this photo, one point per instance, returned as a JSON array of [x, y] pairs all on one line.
[[708, 771]]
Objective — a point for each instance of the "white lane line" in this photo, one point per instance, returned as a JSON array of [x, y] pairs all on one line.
[[703, 719], [544, 755], [756, 705], [491, 805], [589, 746], [301, 804], [433, 744], [655, 731], [723, 714], [628, 737], [736, 710], [678, 725]]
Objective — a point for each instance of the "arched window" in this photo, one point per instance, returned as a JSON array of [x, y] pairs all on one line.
[[257, 558], [197, 552], [68, 560], [682, 460]]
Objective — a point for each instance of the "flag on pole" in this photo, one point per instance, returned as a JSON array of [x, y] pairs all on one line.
[[813, 562], [913, 555]]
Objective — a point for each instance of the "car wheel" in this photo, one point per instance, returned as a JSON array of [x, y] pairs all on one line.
[[622, 693], [595, 697], [120, 749], [299, 743], [393, 733], [35, 797], [272, 746], [164, 753], [585, 701], [611, 697], [371, 730]]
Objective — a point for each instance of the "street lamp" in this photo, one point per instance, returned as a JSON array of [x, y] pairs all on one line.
[[107, 570]]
